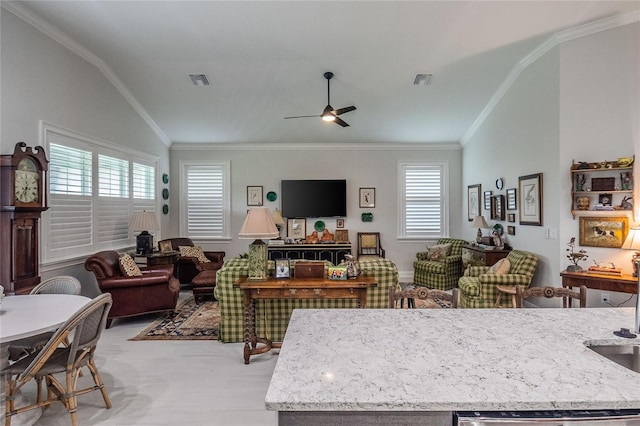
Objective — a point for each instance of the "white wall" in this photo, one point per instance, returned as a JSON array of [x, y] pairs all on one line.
[[578, 101], [362, 166], [42, 80]]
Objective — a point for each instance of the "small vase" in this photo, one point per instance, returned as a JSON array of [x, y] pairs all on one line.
[[574, 268]]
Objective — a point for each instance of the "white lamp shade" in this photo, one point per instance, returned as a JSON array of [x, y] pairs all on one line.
[[259, 224], [632, 242], [144, 221], [479, 222]]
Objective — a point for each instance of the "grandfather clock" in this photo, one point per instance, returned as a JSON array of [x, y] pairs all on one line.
[[23, 198]]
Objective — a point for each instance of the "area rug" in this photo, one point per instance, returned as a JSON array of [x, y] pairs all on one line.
[[193, 321], [429, 304]]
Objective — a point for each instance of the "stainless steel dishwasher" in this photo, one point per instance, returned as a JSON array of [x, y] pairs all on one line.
[[549, 418]]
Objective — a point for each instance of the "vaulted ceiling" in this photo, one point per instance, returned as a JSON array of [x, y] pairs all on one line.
[[265, 60]]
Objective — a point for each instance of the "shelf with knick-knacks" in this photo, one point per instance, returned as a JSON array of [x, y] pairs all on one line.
[[605, 186]]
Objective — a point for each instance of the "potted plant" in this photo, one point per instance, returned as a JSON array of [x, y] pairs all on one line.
[[575, 256]]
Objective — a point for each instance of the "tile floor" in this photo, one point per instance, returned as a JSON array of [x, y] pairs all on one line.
[[194, 382]]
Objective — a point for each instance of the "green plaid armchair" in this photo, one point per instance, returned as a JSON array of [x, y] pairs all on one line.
[[272, 316], [478, 289], [441, 275]]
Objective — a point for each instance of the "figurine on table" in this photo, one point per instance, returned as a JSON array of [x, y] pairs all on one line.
[[313, 238], [497, 240], [326, 235]]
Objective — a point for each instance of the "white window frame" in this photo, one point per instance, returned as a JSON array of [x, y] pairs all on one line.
[[224, 218], [403, 232], [106, 234]]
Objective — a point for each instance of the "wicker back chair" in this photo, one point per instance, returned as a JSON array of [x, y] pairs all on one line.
[[84, 328], [63, 284], [396, 296], [549, 292]]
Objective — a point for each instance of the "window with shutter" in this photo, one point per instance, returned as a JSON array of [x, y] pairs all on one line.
[[423, 200], [206, 204]]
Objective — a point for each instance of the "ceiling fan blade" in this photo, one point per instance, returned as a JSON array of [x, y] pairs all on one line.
[[303, 116], [341, 122], [345, 109]]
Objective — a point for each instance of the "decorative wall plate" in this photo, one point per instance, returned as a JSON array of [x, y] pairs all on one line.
[[319, 226], [165, 194], [165, 209], [165, 178], [367, 217], [272, 196]]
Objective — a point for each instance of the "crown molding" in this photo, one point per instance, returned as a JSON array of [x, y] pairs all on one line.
[[258, 146], [552, 42], [54, 33]]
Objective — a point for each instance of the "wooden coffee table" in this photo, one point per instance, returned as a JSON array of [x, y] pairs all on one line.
[[303, 288]]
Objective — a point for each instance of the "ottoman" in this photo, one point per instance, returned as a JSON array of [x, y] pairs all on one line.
[[204, 283]]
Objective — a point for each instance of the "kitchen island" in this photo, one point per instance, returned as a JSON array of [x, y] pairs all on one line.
[[417, 366]]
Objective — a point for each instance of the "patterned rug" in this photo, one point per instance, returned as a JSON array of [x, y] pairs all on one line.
[[193, 321]]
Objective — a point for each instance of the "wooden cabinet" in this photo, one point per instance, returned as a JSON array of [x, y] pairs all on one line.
[[481, 256], [334, 253], [604, 186]]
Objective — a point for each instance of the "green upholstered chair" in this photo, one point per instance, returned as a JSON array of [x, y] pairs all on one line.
[[478, 288], [442, 274]]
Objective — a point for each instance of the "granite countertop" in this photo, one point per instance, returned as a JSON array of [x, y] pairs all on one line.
[[452, 359]]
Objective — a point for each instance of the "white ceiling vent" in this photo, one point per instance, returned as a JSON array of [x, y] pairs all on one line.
[[199, 79], [422, 79]]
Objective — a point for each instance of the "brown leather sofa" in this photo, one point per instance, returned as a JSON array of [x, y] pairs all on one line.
[[186, 268], [155, 291]]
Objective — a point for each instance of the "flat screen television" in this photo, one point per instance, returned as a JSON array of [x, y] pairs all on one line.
[[314, 198]]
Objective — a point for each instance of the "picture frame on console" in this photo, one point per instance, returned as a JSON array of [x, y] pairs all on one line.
[[283, 268], [297, 228], [165, 246]]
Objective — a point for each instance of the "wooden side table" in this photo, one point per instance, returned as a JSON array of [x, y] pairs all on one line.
[[481, 256], [157, 258], [506, 290], [622, 284]]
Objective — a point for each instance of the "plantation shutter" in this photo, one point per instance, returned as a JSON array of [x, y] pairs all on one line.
[[206, 199], [423, 203]]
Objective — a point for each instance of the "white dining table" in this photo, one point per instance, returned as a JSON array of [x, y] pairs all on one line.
[[26, 316]]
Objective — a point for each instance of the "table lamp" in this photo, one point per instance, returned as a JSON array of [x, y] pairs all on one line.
[[258, 224], [144, 221], [633, 243], [479, 222], [278, 220]]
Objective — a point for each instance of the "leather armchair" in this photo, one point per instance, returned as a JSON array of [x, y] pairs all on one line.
[[155, 291], [441, 274], [478, 288], [186, 268]]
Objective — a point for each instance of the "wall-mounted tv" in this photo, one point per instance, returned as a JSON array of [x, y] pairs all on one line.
[[314, 198]]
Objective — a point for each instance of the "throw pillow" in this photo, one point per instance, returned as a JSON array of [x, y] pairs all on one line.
[[195, 251], [128, 266], [438, 252], [501, 267]]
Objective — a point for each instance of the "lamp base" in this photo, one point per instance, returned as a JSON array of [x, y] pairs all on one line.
[[257, 261], [144, 243], [634, 261]]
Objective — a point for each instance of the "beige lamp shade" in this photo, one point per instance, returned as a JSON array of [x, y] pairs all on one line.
[[632, 242], [144, 221], [259, 225], [277, 218], [479, 222]]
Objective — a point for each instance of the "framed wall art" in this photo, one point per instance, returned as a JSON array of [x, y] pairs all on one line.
[[297, 228], [497, 207], [339, 223], [254, 195], [512, 201], [473, 201], [530, 190], [367, 197], [511, 217], [511, 230], [487, 199], [599, 231]]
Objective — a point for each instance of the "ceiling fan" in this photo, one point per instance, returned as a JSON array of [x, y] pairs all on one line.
[[330, 114]]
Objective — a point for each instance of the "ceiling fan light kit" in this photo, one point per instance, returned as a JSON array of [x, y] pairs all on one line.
[[329, 114]]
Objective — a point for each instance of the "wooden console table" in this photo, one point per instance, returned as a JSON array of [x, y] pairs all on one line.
[[303, 288], [623, 284]]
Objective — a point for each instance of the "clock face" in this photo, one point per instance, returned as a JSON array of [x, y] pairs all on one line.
[[499, 183], [26, 182]]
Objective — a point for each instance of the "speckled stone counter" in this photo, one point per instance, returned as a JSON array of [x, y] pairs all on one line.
[[443, 360]]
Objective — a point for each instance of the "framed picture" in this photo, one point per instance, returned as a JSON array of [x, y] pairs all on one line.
[[473, 201], [254, 195], [512, 201], [511, 217], [497, 207], [282, 268], [165, 246], [297, 228], [602, 231], [604, 199], [339, 223], [530, 189], [487, 199], [511, 230], [342, 235], [367, 197]]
